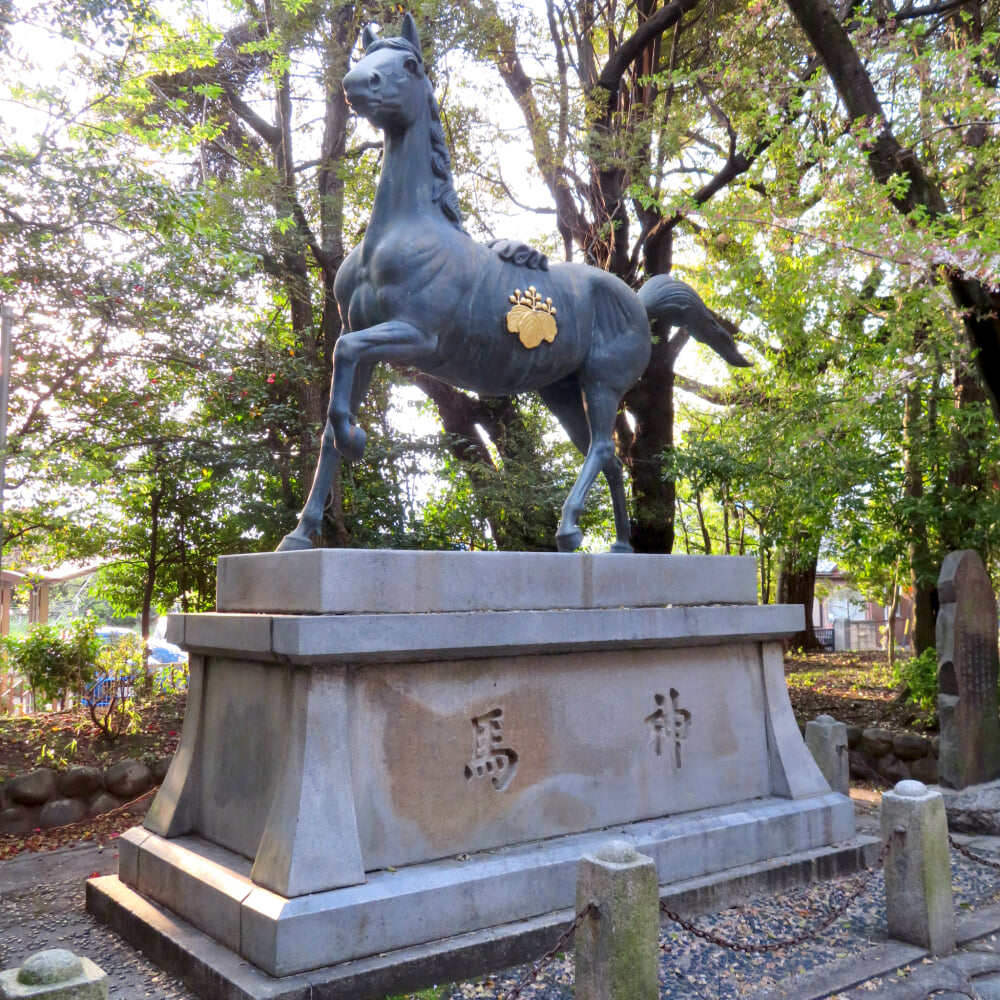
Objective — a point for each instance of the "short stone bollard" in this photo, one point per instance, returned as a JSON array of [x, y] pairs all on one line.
[[54, 974], [918, 896], [618, 945], [827, 742]]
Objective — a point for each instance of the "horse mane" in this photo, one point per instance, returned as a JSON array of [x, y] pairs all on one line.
[[443, 194]]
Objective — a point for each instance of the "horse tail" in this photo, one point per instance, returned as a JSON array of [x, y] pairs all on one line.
[[671, 302]]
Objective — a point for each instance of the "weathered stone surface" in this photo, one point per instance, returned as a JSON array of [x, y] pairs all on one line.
[[975, 809], [925, 770], [128, 778], [54, 974], [877, 742], [311, 582], [910, 746], [18, 819], [54, 965], [919, 903], [61, 812], [854, 736], [968, 665], [103, 802], [160, 768], [617, 945], [31, 789], [79, 781], [936, 745], [827, 742]]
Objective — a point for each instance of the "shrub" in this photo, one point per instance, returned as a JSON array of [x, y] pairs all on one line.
[[919, 674], [112, 701], [54, 659]]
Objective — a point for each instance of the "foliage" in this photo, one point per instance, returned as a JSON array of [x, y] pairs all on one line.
[[920, 675], [121, 676], [55, 660]]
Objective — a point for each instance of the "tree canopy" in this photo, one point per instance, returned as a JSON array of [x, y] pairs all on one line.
[[176, 201]]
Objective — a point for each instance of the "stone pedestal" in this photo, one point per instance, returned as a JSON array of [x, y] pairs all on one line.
[[423, 745]]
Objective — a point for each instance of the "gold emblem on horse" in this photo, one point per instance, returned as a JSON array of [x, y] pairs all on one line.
[[532, 319]]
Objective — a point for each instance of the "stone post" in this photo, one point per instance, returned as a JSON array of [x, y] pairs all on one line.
[[918, 868], [617, 947], [54, 974], [968, 664], [827, 742]]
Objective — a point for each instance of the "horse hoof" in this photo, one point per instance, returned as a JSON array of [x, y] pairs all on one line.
[[622, 547], [569, 541], [352, 445], [294, 542]]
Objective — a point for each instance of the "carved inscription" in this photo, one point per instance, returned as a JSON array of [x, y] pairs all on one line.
[[668, 727], [492, 759]]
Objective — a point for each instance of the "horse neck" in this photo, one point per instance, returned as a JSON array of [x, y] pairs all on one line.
[[407, 181]]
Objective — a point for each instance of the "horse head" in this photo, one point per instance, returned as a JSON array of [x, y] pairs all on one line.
[[388, 85]]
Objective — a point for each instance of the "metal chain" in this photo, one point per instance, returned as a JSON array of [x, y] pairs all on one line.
[[806, 935], [539, 965], [972, 857]]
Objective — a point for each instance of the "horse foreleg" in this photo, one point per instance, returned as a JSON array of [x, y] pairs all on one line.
[[311, 518], [601, 408], [392, 341]]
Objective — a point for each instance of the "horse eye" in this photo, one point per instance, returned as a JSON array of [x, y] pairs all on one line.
[[410, 65]]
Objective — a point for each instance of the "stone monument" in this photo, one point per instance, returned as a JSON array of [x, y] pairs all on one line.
[[967, 672], [392, 762], [392, 783]]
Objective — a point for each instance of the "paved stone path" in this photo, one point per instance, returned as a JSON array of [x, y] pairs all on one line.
[[42, 906]]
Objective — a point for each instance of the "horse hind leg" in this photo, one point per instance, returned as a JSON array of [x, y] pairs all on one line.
[[565, 400]]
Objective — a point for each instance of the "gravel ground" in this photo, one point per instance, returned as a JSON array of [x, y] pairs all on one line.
[[33, 917]]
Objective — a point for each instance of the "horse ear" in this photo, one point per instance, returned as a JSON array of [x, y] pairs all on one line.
[[410, 32], [367, 37]]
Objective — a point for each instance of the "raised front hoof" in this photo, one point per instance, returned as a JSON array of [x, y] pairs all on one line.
[[352, 444], [294, 542], [569, 541], [622, 547]]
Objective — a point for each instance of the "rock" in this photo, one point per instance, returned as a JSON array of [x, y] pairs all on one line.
[[862, 765], [936, 746], [892, 768], [161, 767], [910, 746], [62, 812], [18, 819], [925, 770], [102, 803], [854, 736], [33, 788], [974, 810], [878, 742], [79, 781], [128, 778]]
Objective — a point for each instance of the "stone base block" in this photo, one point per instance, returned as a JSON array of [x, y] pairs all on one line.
[[211, 888], [215, 972]]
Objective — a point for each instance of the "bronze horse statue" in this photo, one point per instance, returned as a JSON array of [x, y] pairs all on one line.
[[495, 319]]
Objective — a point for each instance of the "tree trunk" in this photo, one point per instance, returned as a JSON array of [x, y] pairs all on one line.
[[797, 585]]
